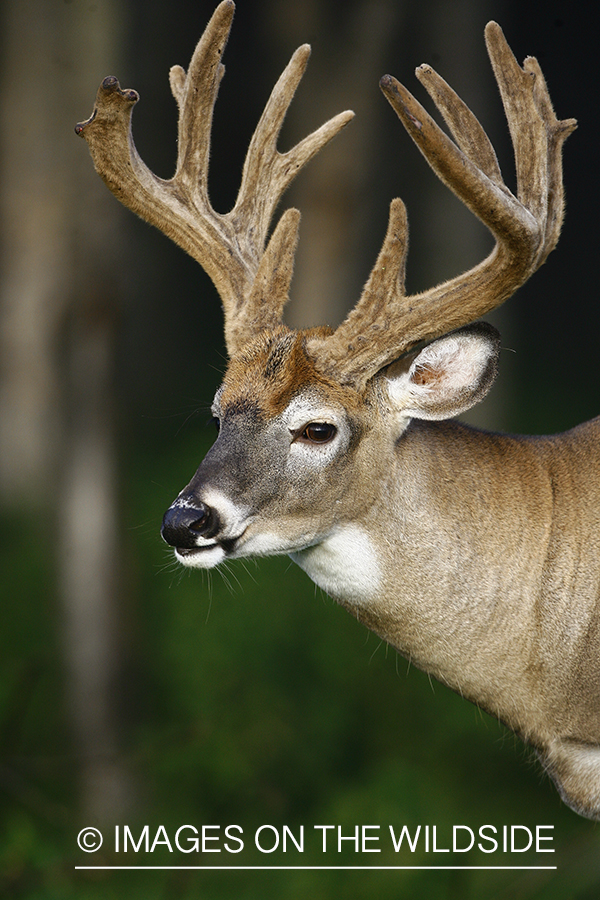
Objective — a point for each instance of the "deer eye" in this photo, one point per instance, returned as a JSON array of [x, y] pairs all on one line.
[[318, 433]]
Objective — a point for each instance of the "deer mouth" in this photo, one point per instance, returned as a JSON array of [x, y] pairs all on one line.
[[207, 556], [187, 555], [194, 551]]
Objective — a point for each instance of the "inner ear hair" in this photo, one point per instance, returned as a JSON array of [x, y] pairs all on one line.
[[473, 347], [426, 375], [447, 376]]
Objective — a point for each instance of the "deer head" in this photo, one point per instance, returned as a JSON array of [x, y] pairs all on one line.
[[344, 376], [333, 445]]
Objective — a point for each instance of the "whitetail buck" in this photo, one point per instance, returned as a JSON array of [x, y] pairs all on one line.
[[475, 555]]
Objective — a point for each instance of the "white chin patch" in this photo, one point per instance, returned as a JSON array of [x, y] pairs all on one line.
[[201, 557]]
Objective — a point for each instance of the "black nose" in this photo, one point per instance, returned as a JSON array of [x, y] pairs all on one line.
[[184, 522]]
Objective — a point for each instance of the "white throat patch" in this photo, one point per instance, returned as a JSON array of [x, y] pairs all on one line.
[[344, 564]]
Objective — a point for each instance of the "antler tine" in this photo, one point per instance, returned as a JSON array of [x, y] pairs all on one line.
[[560, 129], [172, 206], [230, 247], [267, 172], [196, 93], [381, 327]]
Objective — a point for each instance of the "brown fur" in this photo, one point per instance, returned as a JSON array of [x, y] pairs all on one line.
[[274, 368]]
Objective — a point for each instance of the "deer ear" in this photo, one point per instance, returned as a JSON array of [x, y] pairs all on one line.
[[446, 377]]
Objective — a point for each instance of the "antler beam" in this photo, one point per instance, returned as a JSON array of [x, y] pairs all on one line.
[[386, 322], [230, 247], [253, 281]]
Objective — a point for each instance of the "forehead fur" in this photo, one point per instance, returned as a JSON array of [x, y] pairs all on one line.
[[271, 370]]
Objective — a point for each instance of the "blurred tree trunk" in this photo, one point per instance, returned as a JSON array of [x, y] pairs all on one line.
[[59, 229]]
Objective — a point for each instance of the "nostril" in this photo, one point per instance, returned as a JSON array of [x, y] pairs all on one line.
[[202, 522], [206, 521]]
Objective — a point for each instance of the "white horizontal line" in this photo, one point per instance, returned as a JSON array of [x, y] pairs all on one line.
[[328, 868]]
